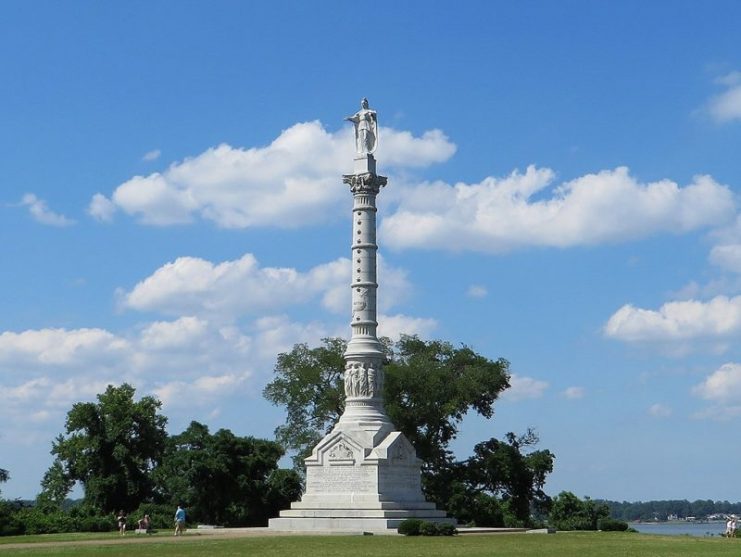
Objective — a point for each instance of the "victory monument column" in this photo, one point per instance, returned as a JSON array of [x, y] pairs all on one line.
[[364, 475]]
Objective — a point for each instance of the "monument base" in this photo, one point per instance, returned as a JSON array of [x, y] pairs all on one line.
[[352, 488]]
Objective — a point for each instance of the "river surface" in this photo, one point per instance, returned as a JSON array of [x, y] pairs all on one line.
[[699, 529]]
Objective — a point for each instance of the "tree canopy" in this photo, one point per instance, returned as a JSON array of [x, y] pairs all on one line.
[[223, 478], [111, 447], [4, 475], [429, 387]]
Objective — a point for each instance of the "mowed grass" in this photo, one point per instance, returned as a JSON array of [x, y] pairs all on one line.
[[597, 544]]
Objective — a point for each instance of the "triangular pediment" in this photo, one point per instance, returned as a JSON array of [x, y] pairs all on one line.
[[336, 448]]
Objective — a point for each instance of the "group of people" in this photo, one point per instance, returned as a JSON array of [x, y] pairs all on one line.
[[731, 526], [145, 524]]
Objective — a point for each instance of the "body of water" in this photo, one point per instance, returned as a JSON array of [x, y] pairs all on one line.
[[699, 529]]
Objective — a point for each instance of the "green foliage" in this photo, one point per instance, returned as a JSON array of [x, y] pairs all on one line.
[[506, 469], [160, 516], [661, 510], [309, 384], [612, 525], [445, 529], [111, 447], [410, 527], [568, 512], [429, 388], [418, 527], [10, 524], [224, 479], [431, 385], [428, 529], [55, 486]]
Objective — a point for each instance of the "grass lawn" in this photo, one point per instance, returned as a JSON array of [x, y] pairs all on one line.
[[597, 544]]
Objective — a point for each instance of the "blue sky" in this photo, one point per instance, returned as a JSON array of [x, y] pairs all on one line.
[[563, 192]]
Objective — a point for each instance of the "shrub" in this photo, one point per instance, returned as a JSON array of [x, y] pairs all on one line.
[[444, 529], [161, 516], [410, 527], [428, 529], [9, 523], [612, 525]]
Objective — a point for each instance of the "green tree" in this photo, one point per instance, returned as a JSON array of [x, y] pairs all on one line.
[[225, 479], [514, 472], [4, 476], [429, 388], [568, 512], [55, 486], [111, 448], [309, 384]]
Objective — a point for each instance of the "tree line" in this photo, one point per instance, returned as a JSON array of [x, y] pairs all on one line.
[[662, 510], [118, 450]]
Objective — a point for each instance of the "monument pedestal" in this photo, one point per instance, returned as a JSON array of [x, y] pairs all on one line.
[[350, 486]]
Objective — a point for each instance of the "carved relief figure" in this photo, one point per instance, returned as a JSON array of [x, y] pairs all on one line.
[[366, 129], [363, 389], [341, 452], [360, 302]]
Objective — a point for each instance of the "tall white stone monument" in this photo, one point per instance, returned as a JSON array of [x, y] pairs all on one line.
[[363, 475]]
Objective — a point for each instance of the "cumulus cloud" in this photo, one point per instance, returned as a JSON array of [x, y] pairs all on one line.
[[721, 386], [522, 388], [727, 257], [191, 285], [188, 360], [659, 410], [393, 326], [722, 389], [292, 182], [520, 210], [60, 347], [574, 393], [684, 320], [101, 208], [726, 106], [41, 213]]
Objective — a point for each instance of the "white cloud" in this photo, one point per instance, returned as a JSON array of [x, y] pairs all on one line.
[[690, 319], [190, 285], [727, 257], [497, 215], [722, 389], [522, 388], [477, 291], [101, 208], [722, 386], [659, 410], [726, 106], [152, 155], [59, 347], [190, 360], [203, 390], [294, 181], [41, 212], [575, 393], [393, 326]]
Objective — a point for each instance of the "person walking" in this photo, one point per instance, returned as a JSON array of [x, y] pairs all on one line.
[[121, 518], [179, 521]]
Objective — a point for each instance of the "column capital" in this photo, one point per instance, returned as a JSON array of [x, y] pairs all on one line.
[[368, 182]]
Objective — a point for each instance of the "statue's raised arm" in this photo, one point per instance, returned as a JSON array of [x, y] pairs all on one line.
[[365, 121]]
